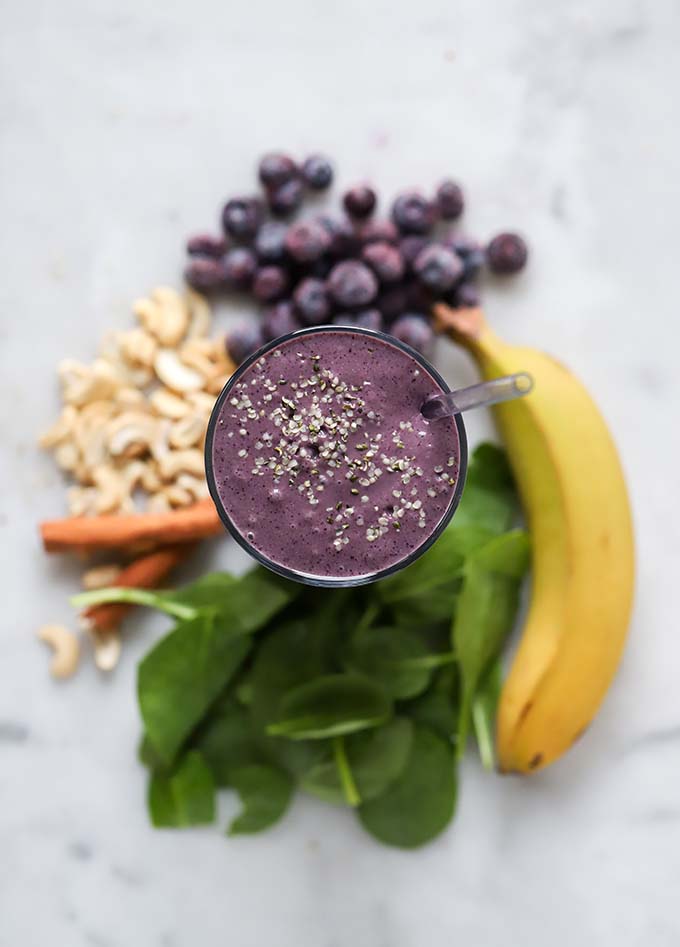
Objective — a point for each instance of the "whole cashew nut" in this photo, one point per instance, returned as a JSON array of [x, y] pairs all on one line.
[[65, 646]]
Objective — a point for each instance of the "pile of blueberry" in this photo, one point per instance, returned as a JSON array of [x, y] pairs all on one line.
[[349, 270]]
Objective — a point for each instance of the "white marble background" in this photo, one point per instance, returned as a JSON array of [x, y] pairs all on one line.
[[123, 126]]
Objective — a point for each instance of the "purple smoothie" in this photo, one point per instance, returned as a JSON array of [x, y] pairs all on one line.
[[322, 460]]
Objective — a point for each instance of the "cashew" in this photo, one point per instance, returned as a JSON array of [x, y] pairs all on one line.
[[173, 373], [196, 486], [100, 577], [168, 404], [181, 461], [148, 313], [187, 432], [66, 649], [67, 456], [138, 347], [176, 496], [217, 383], [81, 500], [90, 434], [61, 429], [202, 402], [159, 445], [158, 503], [110, 489], [138, 472], [130, 434], [107, 648], [130, 398], [201, 316], [174, 318]]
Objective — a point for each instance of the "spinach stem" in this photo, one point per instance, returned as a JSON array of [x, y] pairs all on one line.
[[484, 737], [349, 787], [427, 662], [134, 597], [368, 617]]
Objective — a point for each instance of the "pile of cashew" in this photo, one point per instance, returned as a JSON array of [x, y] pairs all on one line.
[[132, 428]]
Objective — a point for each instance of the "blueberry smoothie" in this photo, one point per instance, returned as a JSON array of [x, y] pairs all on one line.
[[321, 463]]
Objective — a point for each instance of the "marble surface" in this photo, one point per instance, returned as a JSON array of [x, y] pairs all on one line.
[[123, 126]]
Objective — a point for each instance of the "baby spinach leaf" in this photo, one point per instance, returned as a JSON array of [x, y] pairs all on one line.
[[437, 708], [330, 706], [484, 707], [426, 590], [184, 797], [181, 676], [420, 803], [265, 793], [486, 610], [287, 657], [375, 759], [395, 657], [489, 499], [226, 741]]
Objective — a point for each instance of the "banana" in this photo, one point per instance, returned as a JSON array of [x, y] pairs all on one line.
[[574, 496]]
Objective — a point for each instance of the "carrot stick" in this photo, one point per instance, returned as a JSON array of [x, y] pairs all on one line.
[[89, 533], [144, 573]]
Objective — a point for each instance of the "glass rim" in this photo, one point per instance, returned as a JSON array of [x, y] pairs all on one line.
[[306, 578]]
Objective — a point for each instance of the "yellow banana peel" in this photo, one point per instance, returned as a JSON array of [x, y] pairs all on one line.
[[574, 496]]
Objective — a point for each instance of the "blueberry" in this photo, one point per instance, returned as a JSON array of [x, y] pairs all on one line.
[[393, 301], [307, 241], [410, 247], [270, 283], [205, 244], [352, 284], [418, 296], [378, 231], [507, 253], [286, 198], [370, 319], [413, 213], [241, 217], [311, 301], [243, 340], [344, 319], [344, 238], [414, 330], [239, 266], [279, 319], [270, 242], [276, 169], [469, 251], [438, 267], [450, 201], [466, 294], [205, 273], [385, 260], [317, 172], [360, 201]]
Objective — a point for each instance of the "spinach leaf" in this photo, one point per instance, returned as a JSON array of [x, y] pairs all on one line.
[[184, 797], [226, 741], [375, 759], [489, 499], [486, 610], [330, 706], [265, 793], [181, 676], [484, 707], [420, 802], [426, 590], [437, 708], [395, 657], [287, 657]]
